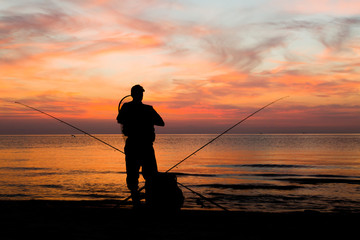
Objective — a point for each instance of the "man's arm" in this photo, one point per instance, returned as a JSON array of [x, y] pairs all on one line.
[[158, 121], [122, 114]]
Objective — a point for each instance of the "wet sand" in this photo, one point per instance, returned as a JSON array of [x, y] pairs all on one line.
[[101, 220]]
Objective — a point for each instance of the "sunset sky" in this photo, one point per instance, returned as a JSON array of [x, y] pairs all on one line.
[[204, 64]]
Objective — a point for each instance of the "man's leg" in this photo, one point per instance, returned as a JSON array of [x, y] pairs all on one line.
[[132, 180], [149, 171], [149, 165], [132, 173]]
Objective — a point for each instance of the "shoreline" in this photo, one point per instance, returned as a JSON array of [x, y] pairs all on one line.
[[48, 219], [76, 133]]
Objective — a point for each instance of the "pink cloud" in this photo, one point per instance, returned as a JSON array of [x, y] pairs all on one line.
[[344, 7]]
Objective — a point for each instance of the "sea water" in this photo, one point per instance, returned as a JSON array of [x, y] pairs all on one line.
[[261, 172]]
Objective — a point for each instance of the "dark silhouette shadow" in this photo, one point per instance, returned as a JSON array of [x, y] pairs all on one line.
[[163, 193], [138, 121]]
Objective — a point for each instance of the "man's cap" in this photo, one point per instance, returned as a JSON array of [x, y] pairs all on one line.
[[136, 89]]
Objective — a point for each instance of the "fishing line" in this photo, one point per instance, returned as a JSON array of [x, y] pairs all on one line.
[[71, 126], [227, 130]]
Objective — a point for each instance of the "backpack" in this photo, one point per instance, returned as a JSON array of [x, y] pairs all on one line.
[[162, 193]]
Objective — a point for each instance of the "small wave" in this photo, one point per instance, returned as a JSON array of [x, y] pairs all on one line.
[[77, 172], [71, 172], [276, 166], [24, 168], [250, 186], [195, 174], [13, 195], [92, 196], [263, 166], [320, 180], [272, 175], [15, 160], [332, 176], [51, 186], [275, 175], [261, 197], [36, 174]]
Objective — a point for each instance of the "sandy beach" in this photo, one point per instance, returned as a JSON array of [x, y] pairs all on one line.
[[101, 220]]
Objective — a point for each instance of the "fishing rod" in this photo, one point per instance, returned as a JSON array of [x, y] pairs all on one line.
[[118, 116], [125, 200], [71, 126], [77, 127], [123, 100], [203, 197], [227, 130]]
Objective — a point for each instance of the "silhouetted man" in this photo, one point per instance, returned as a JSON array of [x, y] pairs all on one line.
[[138, 122]]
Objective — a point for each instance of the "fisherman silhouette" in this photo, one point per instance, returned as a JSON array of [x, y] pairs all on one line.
[[138, 122]]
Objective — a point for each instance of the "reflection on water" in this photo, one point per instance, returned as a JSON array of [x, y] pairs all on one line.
[[242, 172]]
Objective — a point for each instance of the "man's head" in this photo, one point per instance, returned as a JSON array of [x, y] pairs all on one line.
[[137, 93]]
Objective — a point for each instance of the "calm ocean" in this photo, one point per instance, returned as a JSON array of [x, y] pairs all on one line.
[[270, 173]]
